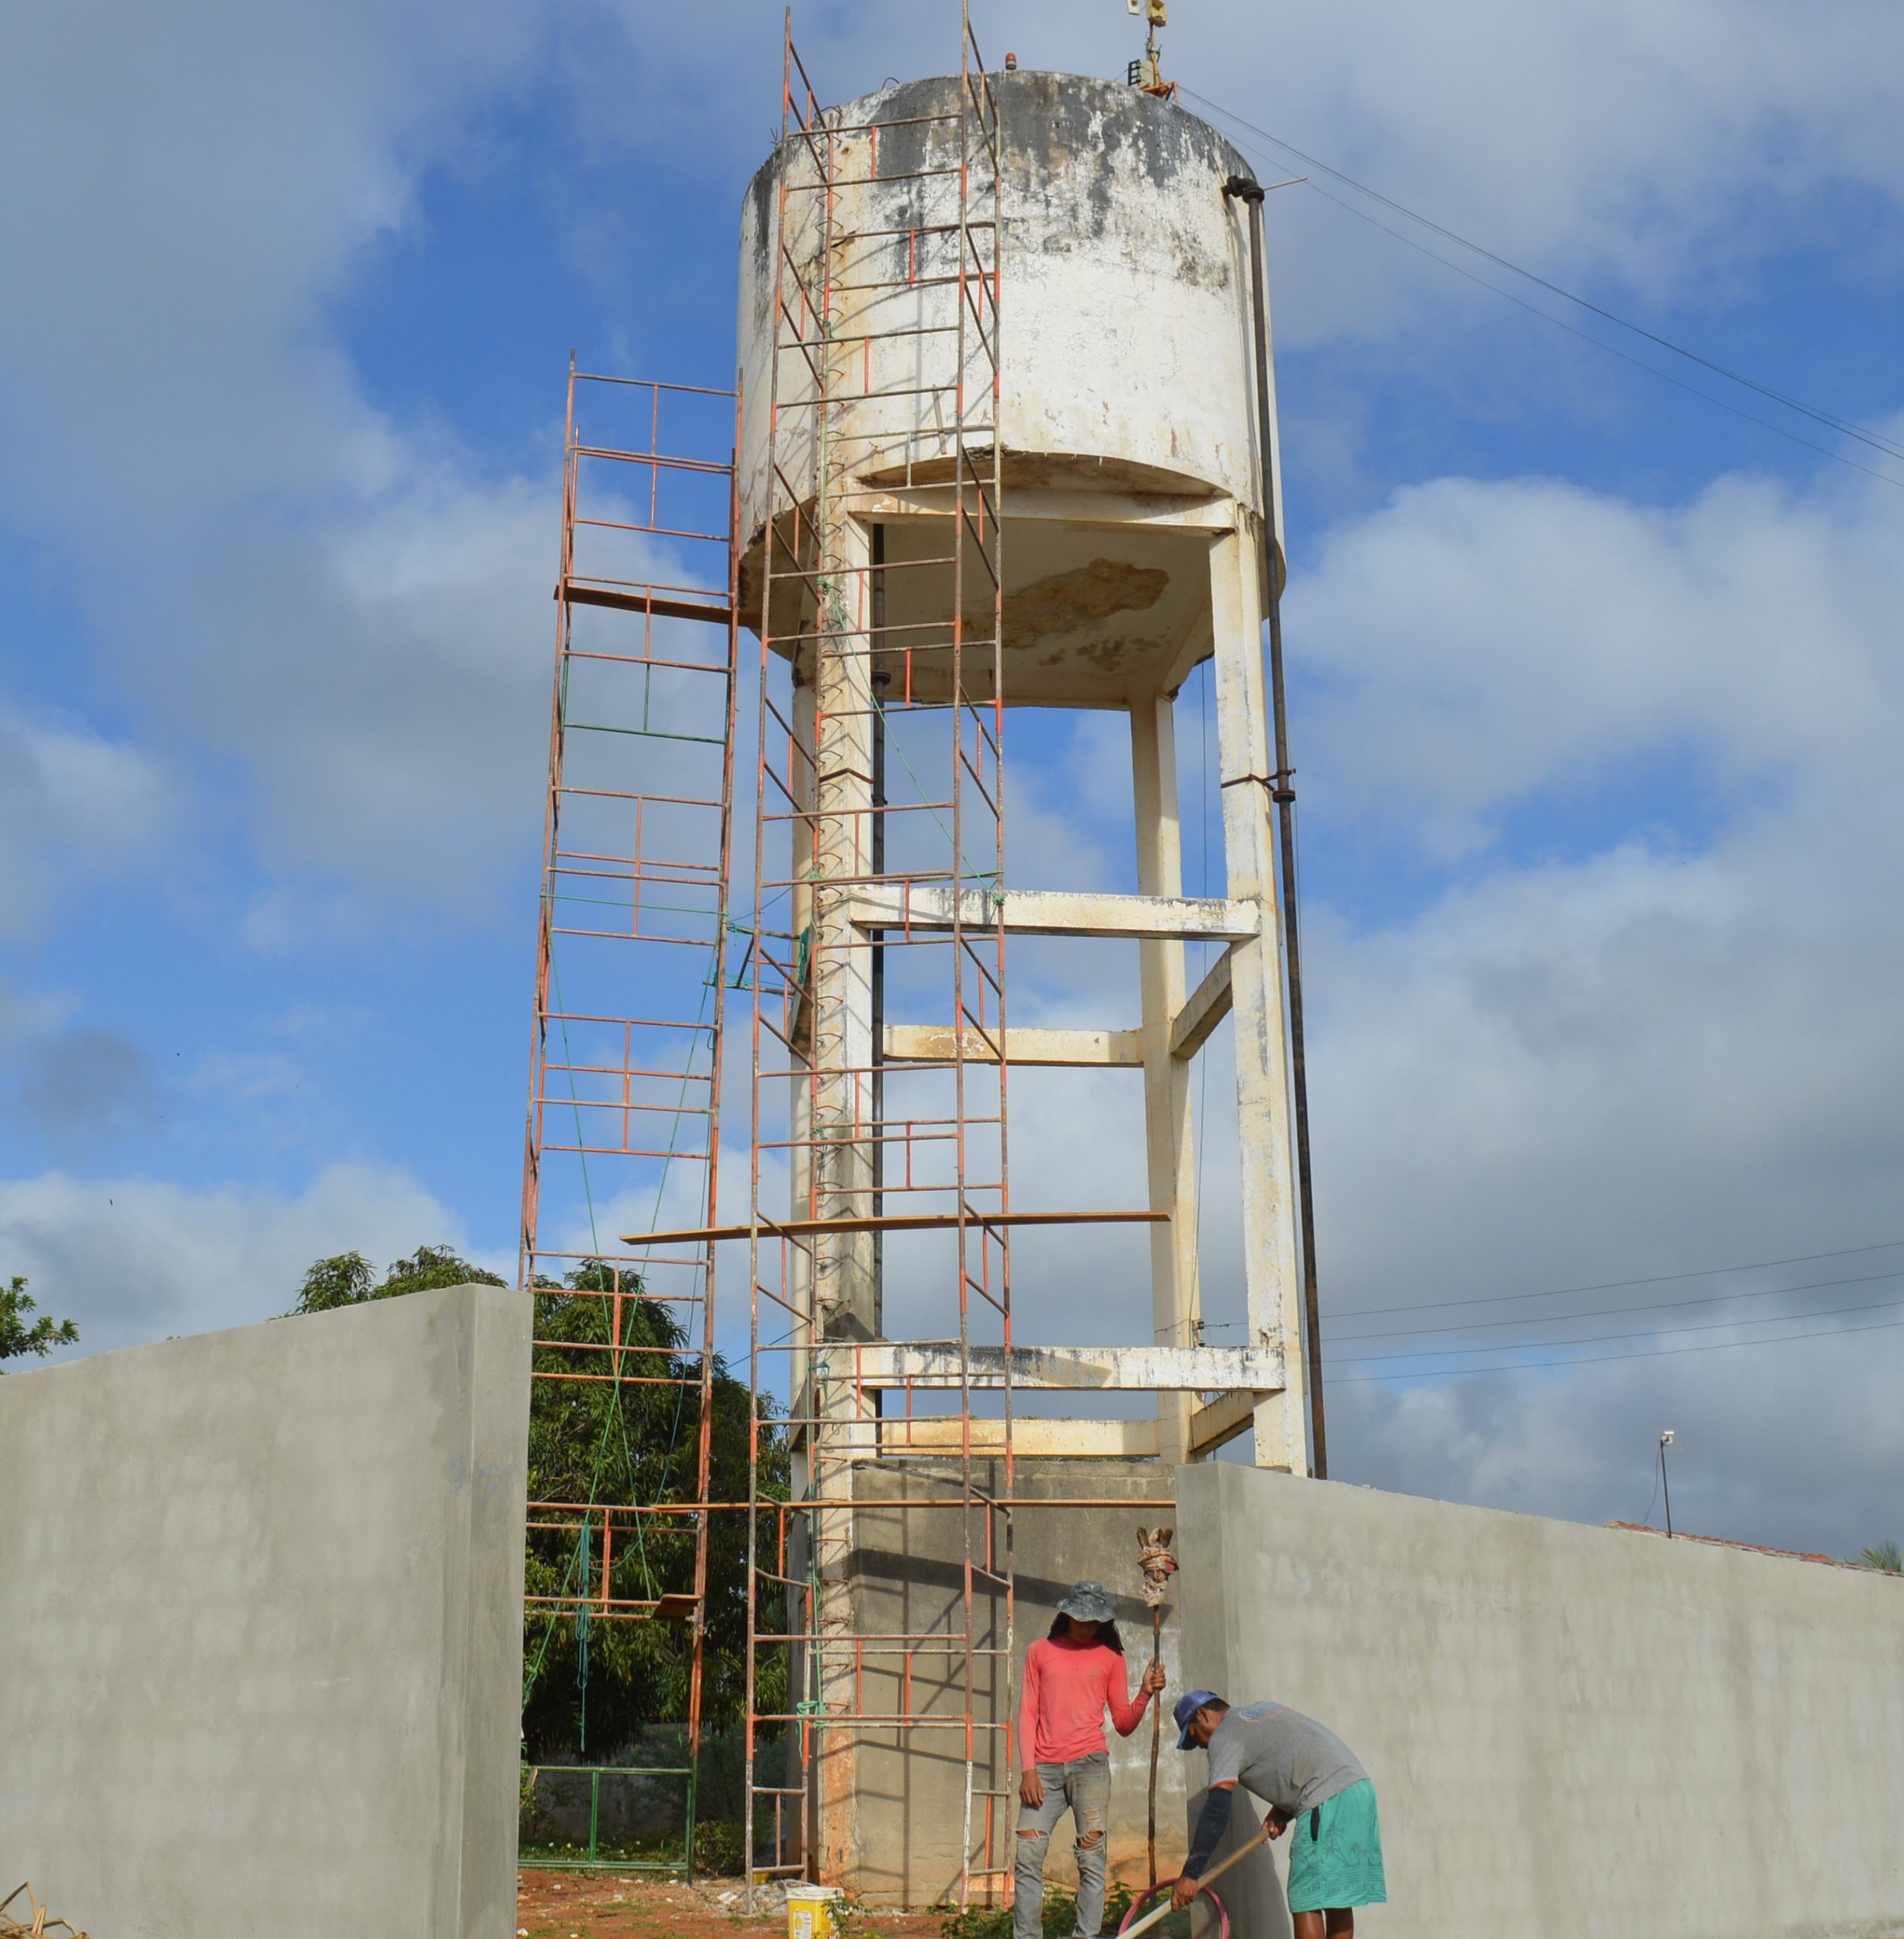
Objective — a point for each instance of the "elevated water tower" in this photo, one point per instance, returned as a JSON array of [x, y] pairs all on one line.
[[1007, 442]]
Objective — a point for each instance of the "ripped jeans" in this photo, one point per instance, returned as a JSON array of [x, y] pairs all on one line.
[[1082, 1787]]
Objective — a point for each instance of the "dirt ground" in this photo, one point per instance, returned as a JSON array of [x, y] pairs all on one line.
[[568, 1905]]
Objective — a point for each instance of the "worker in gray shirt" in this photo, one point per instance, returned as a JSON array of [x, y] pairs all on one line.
[[1309, 1778]]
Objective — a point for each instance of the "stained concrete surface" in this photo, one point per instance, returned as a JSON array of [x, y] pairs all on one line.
[[1573, 1731], [907, 1569], [261, 1593]]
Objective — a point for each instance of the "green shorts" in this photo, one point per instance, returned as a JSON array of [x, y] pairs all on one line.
[[1335, 1859]]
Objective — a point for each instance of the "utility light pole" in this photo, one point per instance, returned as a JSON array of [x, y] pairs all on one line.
[[1665, 1441]]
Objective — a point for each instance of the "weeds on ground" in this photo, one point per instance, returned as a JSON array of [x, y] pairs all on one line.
[[1060, 1916], [852, 1920], [719, 1846]]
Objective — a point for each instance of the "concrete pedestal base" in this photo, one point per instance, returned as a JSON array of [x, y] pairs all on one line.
[[906, 1818]]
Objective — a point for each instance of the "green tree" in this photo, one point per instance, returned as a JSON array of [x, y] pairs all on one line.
[[634, 1437], [20, 1335], [1886, 1555], [590, 1686], [348, 1279]]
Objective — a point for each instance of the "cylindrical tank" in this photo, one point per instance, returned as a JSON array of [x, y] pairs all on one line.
[[1125, 352]]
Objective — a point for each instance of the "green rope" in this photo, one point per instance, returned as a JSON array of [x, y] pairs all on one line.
[[616, 1416]]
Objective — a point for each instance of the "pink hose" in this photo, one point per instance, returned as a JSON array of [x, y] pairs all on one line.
[[1162, 1891]]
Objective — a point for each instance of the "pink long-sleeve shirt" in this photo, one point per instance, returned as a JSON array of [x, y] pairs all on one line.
[[1068, 1688]]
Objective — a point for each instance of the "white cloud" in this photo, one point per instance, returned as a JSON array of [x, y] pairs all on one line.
[[275, 569], [1480, 643], [383, 674], [71, 801], [348, 607], [1670, 1043], [133, 1259], [1674, 1051], [1650, 149]]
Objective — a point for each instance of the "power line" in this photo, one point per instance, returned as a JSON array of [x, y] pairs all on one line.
[[1613, 1312], [1602, 1360], [1586, 336], [1620, 1285], [1863, 434], [1651, 1333]]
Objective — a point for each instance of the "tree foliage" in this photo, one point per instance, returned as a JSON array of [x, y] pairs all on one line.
[[592, 1687], [1886, 1555], [634, 1439], [20, 1334], [348, 1280]]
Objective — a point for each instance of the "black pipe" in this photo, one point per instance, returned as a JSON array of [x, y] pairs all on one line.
[[1282, 790]]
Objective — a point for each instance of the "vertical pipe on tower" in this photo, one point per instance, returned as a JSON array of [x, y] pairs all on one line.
[[1284, 792]]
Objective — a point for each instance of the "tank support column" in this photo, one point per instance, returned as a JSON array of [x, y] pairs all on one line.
[[838, 1082], [1170, 1149], [1272, 1283], [840, 957]]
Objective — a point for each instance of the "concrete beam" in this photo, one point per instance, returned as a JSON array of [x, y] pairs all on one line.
[[1206, 1007], [1227, 1416], [1117, 1369], [1208, 516], [1042, 912], [924, 1043], [1034, 1439]]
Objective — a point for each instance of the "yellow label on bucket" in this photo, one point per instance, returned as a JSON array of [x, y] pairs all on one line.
[[810, 1911]]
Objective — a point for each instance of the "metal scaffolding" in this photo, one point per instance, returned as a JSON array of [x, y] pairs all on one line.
[[851, 516], [841, 857], [626, 1058]]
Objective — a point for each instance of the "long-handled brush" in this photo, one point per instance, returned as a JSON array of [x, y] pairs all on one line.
[[1209, 1878], [1158, 1564]]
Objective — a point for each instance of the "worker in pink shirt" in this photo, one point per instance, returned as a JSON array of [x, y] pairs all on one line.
[[1072, 1677]]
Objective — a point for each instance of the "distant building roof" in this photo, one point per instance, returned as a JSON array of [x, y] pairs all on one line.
[[1750, 1548]]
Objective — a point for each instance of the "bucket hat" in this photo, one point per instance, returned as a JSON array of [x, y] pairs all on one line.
[[1088, 1602]]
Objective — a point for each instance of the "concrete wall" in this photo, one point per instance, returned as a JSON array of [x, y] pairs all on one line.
[[260, 1601], [1573, 1731], [907, 1568]]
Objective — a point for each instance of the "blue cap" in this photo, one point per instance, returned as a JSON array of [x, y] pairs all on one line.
[[1188, 1704]]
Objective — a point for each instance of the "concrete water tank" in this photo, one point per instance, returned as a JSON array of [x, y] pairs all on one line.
[[1125, 361]]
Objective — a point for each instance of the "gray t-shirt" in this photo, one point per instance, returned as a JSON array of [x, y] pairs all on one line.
[[1287, 1759]]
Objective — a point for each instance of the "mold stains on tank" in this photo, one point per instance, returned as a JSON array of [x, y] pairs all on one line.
[[1073, 147], [757, 217], [1069, 602]]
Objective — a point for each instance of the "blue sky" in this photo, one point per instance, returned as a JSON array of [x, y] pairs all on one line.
[[1597, 686]]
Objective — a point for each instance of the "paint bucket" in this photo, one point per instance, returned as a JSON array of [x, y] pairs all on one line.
[[810, 1911]]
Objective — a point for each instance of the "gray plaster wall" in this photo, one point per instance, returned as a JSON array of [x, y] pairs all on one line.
[[1573, 1731], [907, 1566], [260, 1596]]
